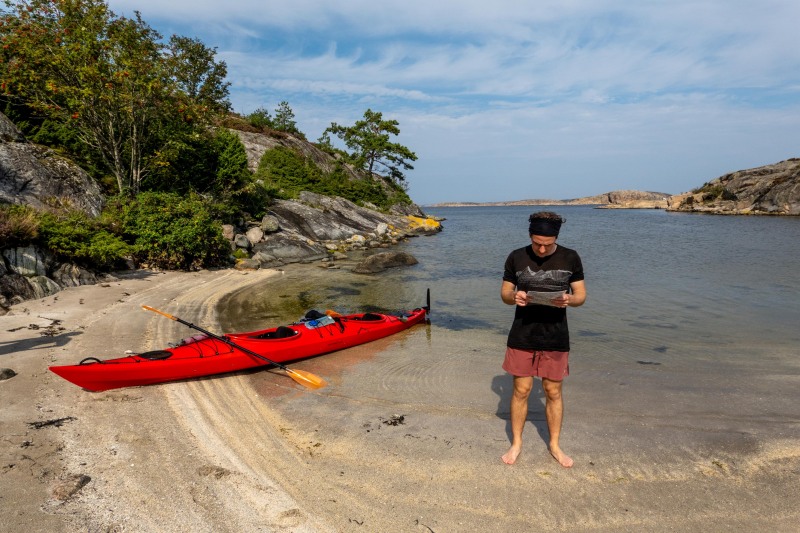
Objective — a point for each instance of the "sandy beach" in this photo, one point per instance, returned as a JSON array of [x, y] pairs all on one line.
[[407, 437]]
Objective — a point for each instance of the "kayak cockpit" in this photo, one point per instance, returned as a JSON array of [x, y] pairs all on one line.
[[367, 317], [281, 332]]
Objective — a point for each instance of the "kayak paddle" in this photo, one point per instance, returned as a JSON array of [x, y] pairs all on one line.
[[307, 379]]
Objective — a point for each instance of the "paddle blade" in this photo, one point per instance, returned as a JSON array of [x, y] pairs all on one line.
[[147, 307], [333, 314], [306, 379]]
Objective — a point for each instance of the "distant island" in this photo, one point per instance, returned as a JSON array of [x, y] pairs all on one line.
[[609, 200], [766, 190]]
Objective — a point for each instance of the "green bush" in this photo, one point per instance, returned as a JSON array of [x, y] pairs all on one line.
[[288, 173], [254, 199], [74, 236], [260, 119], [172, 231], [188, 162], [232, 172], [19, 225]]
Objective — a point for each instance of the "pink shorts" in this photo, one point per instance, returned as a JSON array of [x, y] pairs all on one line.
[[550, 365]]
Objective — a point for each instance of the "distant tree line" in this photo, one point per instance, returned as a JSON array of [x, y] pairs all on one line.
[[144, 116]]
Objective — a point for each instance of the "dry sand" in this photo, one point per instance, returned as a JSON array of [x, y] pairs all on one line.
[[407, 437]]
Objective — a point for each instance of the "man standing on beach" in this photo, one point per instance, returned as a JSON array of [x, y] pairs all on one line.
[[538, 343]]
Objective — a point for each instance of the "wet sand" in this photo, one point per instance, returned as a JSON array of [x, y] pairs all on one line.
[[407, 436]]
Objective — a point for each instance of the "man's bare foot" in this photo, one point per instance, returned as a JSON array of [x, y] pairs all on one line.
[[511, 455], [562, 458]]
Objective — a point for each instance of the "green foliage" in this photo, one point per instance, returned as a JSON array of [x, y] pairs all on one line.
[[371, 148], [213, 165], [74, 236], [232, 172], [288, 173], [134, 110], [253, 199], [169, 230], [240, 254], [187, 162], [712, 192], [111, 80], [284, 119], [261, 119], [235, 185], [19, 225], [192, 66]]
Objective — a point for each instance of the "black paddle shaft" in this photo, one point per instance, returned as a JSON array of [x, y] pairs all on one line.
[[231, 343]]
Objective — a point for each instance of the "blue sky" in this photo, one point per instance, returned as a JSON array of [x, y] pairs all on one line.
[[509, 100]]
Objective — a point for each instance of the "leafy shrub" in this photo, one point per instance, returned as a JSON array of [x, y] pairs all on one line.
[[289, 173], [172, 231], [187, 162], [74, 236], [19, 225], [232, 172], [260, 119], [714, 192], [254, 199]]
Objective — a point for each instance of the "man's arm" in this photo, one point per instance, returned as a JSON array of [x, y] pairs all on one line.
[[510, 295], [575, 299], [578, 295]]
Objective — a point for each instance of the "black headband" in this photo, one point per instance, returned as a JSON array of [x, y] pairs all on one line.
[[546, 227]]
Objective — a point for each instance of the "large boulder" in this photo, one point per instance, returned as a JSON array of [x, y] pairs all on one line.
[[321, 217], [768, 190], [326, 218], [381, 261], [15, 288], [316, 226], [37, 176], [71, 275], [287, 247], [26, 261]]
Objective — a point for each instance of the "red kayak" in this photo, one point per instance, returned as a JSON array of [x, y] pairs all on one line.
[[206, 355]]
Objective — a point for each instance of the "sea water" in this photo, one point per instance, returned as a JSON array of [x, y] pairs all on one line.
[[687, 314]]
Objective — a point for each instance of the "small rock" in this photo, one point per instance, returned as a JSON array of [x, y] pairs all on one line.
[[6, 373], [242, 241], [68, 487], [270, 224], [254, 235], [228, 231]]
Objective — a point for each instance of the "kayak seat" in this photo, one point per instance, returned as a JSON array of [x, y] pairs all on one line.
[[367, 316], [281, 332]]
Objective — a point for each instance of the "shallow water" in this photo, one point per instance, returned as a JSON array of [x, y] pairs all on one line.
[[684, 312]]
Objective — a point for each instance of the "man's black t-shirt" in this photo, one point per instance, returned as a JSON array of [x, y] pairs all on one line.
[[541, 327]]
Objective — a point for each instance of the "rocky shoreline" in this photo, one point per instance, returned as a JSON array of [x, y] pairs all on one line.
[[313, 229], [766, 190]]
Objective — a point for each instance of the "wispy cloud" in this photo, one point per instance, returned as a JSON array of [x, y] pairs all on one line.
[[658, 95]]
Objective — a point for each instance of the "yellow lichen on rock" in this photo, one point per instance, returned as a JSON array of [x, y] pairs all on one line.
[[423, 222]]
